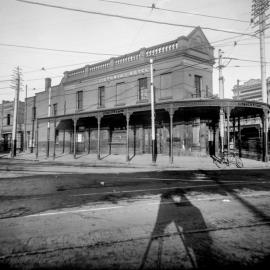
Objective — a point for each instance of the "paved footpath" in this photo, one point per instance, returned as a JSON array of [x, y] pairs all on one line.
[[139, 162]]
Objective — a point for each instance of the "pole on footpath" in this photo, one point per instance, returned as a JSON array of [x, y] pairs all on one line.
[[221, 96], [259, 8], [262, 57], [15, 114], [153, 128], [48, 125], [238, 89], [25, 119]]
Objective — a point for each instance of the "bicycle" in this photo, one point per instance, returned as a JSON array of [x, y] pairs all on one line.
[[226, 160], [221, 162], [233, 158]]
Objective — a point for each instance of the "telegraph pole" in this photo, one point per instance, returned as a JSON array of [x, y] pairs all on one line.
[[221, 96], [15, 114], [153, 128], [238, 89], [25, 119], [48, 125], [259, 8]]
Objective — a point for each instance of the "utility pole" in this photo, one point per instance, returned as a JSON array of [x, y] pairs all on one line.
[[153, 128], [221, 96], [2, 118], [48, 125], [220, 77], [259, 8], [25, 119], [17, 87], [259, 17], [238, 89]]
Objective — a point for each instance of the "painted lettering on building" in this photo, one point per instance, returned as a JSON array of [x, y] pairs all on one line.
[[124, 75]]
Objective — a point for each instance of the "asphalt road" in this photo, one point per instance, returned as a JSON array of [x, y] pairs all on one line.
[[139, 220]]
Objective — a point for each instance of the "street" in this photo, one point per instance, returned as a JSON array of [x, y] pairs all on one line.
[[167, 219]]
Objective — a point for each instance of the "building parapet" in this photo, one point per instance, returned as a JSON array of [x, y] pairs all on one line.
[[157, 51]]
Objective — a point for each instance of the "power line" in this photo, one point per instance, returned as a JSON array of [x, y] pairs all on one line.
[[132, 18], [153, 6], [245, 60], [202, 45], [97, 61], [54, 50], [5, 81]]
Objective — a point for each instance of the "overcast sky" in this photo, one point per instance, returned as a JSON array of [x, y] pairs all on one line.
[[38, 26]]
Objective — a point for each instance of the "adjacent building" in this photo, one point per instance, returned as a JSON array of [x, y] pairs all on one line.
[[251, 128], [6, 123], [250, 90]]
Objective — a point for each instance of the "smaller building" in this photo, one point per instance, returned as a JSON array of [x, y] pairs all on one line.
[[6, 124], [250, 90], [251, 128]]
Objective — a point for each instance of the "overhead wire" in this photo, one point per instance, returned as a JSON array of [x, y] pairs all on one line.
[[175, 11], [55, 67], [131, 18], [54, 50]]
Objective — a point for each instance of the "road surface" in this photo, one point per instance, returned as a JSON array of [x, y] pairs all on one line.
[[144, 220]]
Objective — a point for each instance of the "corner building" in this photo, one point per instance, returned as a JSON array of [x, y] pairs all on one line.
[[105, 108]]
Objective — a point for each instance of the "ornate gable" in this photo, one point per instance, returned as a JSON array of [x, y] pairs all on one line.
[[199, 42]]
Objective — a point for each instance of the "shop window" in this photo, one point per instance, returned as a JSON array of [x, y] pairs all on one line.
[[101, 96], [166, 85], [143, 90], [79, 100]]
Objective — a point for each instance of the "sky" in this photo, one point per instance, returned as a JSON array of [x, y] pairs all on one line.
[[39, 26]]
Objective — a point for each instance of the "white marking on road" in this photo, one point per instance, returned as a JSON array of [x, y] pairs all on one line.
[[74, 211]]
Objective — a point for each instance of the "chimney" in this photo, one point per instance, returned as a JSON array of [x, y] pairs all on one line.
[[48, 83]]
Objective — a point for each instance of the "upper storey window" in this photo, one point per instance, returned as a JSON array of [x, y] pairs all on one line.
[[79, 100], [143, 90], [8, 119], [54, 109], [101, 96], [166, 85], [198, 85], [120, 91]]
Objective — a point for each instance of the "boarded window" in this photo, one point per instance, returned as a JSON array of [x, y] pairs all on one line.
[[79, 97], [101, 96], [165, 85], [120, 93], [143, 91]]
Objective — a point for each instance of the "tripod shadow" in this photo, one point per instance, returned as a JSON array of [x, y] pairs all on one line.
[[190, 226]]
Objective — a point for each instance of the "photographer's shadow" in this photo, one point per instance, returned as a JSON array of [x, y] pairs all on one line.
[[190, 226]]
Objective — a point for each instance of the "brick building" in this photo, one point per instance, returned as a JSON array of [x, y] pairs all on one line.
[[105, 108], [6, 123]]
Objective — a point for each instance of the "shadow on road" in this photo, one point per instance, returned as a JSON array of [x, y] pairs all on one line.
[[190, 226]]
